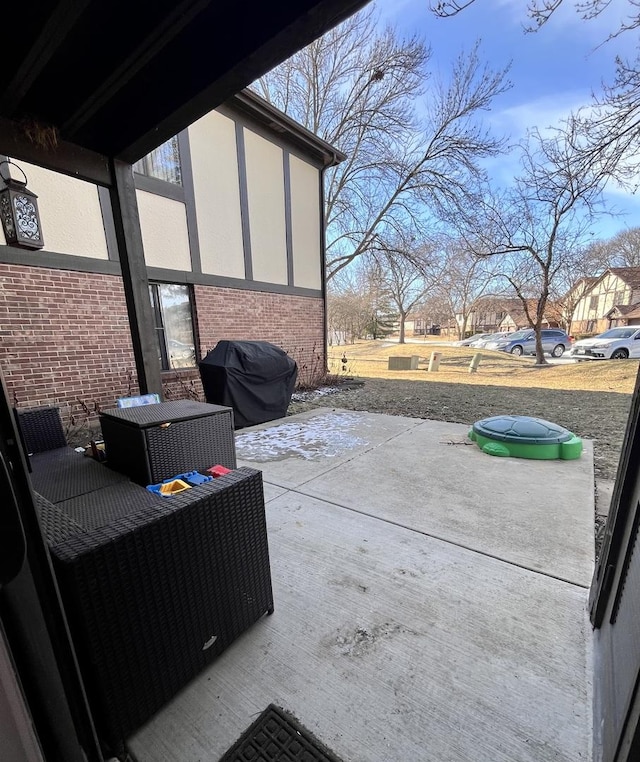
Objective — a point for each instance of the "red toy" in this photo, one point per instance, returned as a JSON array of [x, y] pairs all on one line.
[[216, 471]]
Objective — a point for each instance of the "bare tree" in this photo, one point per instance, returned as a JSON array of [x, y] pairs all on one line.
[[541, 222], [359, 303], [405, 273], [610, 125], [462, 279], [357, 88], [435, 312], [540, 11], [623, 250], [351, 301]]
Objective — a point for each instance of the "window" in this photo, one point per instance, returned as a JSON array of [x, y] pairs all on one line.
[[593, 303], [174, 325], [162, 163]]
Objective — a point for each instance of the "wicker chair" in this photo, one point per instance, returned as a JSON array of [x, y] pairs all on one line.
[[155, 588], [57, 471]]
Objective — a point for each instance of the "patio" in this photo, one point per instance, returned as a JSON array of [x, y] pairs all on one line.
[[430, 601]]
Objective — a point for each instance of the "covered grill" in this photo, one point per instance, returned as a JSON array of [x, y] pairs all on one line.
[[255, 378]]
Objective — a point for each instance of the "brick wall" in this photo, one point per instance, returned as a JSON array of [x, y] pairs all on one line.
[[64, 339], [182, 384], [294, 323]]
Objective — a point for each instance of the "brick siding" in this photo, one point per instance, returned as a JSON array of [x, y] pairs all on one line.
[[294, 323], [65, 337]]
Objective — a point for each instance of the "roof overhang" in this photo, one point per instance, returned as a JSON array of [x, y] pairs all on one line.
[[117, 78], [273, 119]]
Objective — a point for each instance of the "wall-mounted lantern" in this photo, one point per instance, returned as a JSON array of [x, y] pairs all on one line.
[[19, 209]]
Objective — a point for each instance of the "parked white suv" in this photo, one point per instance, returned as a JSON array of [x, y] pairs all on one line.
[[614, 344]]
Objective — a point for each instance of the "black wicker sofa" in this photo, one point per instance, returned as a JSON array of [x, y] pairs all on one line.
[[154, 588]]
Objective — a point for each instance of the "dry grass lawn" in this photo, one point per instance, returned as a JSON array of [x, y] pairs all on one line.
[[369, 359]]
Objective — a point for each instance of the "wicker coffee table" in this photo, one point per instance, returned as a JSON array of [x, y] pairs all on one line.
[[155, 442]]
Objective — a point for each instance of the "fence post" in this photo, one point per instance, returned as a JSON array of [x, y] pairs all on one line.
[[475, 361]]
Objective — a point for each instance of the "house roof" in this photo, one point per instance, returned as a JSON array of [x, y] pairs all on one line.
[[630, 275], [516, 317], [552, 313], [634, 313], [262, 111], [625, 310], [119, 78], [587, 283]]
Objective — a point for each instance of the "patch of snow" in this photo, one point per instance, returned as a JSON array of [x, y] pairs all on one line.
[[323, 436], [321, 391]]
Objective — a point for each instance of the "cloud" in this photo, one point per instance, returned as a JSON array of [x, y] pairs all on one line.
[[567, 21], [511, 10], [543, 112]]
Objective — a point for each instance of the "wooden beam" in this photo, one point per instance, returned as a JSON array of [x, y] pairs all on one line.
[[222, 83], [134, 278], [52, 36], [169, 27], [67, 158]]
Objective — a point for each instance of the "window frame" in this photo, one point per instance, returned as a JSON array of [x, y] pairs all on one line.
[[160, 325], [144, 166]]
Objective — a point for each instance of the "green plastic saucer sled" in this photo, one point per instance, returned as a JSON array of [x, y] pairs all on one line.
[[520, 436]]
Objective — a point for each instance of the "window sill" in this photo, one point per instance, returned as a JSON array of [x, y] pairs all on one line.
[[176, 373]]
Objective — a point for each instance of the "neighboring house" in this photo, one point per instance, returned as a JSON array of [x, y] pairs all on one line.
[[611, 300], [492, 314], [516, 318], [570, 300], [486, 315], [416, 325], [231, 219], [621, 315]]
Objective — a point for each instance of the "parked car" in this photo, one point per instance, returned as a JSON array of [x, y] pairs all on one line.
[[471, 339], [491, 337], [614, 344], [554, 342]]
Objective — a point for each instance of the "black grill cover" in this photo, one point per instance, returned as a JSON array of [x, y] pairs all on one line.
[[255, 378]]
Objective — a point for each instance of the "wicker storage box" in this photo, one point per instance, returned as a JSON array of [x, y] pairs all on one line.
[[155, 588], [155, 442]]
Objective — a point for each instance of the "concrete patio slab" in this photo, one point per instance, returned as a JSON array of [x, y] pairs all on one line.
[[293, 450], [392, 646], [271, 492], [430, 601], [604, 494], [537, 514]]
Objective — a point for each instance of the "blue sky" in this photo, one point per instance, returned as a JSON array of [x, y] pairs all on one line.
[[552, 70]]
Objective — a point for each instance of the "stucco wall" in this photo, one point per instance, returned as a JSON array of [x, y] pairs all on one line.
[[165, 237], [217, 195], [305, 223], [69, 212], [265, 190], [611, 290]]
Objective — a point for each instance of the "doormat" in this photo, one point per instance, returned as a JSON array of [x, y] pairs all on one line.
[[276, 736]]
